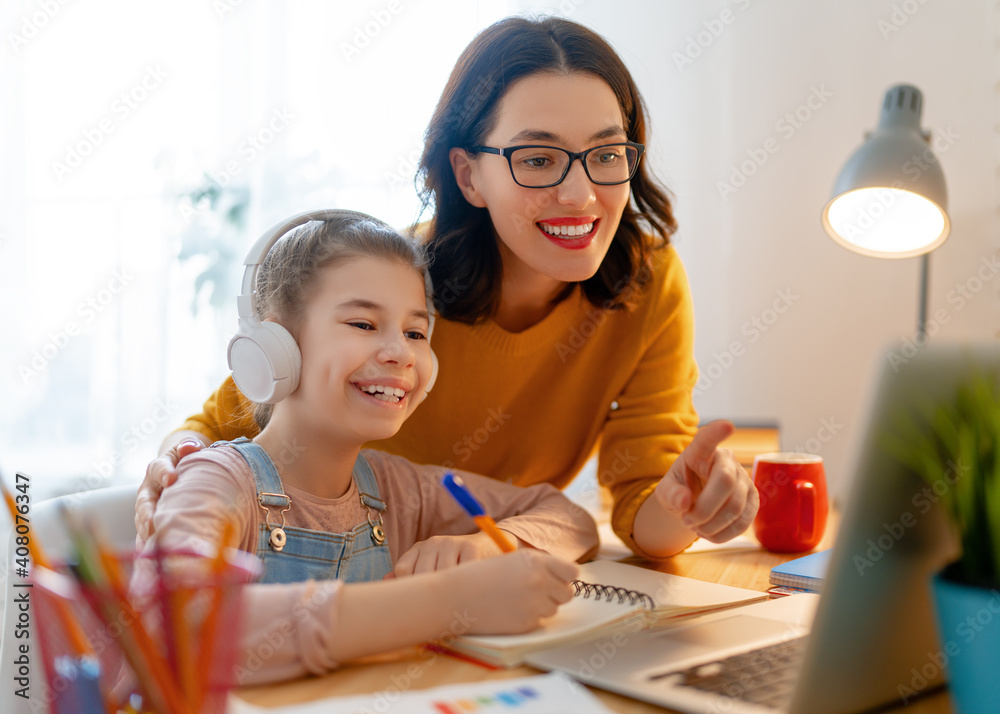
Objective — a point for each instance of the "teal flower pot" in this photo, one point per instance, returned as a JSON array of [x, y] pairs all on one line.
[[968, 618]]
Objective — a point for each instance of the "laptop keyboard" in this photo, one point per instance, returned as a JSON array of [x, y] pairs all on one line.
[[764, 676]]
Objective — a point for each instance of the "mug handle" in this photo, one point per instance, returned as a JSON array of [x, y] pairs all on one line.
[[806, 492]]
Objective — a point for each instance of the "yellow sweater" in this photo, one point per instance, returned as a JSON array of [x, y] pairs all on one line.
[[532, 407]]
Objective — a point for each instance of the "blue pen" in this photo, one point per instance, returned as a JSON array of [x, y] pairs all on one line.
[[486, 524]]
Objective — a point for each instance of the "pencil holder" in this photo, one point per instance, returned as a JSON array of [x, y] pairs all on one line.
[[160, 635]]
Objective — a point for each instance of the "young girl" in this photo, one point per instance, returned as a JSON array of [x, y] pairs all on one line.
[[567, 327], [331, 521]]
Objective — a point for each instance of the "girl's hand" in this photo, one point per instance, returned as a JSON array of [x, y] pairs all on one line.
[[161, 472], [708, 489], [512, 594], [440, 552]]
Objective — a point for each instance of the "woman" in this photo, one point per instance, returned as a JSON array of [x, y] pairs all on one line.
[[567, 326]]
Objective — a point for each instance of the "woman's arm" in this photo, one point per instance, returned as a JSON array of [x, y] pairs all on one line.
[[225, 415], [668, 485]]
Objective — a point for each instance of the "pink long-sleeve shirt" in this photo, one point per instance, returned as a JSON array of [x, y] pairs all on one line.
[[288, 628]]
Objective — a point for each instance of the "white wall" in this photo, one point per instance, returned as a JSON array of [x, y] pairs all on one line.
[[712, 103]]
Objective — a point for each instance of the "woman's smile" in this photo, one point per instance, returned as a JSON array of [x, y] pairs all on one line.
[[569, 233]]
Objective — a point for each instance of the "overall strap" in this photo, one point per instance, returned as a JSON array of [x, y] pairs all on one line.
[[367, 486], [270, 492]]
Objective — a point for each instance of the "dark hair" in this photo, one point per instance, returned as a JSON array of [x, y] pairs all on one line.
[[288, 278], [465, 263]]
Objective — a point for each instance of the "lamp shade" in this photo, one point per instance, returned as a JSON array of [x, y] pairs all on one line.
[[890, 200]]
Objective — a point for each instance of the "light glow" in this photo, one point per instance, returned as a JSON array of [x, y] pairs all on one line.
[[886, 222]]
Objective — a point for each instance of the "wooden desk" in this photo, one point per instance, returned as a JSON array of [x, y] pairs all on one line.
[[419, 669]]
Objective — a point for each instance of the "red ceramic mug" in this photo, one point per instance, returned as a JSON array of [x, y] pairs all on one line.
[[793, 501]]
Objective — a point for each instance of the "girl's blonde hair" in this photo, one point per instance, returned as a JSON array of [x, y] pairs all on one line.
[[287, 279]]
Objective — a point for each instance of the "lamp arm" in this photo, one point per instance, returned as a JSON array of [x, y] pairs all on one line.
[[922, 307]]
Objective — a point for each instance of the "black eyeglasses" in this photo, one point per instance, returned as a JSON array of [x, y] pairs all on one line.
[[534, 166]]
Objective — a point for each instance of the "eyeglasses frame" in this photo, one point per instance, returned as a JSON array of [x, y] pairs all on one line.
[[573, 156]]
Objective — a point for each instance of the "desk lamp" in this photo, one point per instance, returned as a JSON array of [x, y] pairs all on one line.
[[890, 199]]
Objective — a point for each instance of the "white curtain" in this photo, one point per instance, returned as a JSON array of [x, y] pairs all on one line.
[[143, 147]]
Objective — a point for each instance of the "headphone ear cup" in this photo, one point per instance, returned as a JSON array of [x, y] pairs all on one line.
[[265, 361], [433, 377]]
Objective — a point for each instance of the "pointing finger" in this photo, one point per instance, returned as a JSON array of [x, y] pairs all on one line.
[[701, 450]]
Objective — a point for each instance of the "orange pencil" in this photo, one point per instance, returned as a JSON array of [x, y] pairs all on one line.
[[211, 624], [456, 487], [149, 664]]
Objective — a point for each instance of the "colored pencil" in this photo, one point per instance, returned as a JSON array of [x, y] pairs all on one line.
[[150, 668], [211, 622]]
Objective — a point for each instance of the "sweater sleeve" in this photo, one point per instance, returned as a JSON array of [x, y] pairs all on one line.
[[420, 507], [655, 419], [287, 629], [226, 415]]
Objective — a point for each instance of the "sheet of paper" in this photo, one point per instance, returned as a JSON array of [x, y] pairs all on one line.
[[612, 547], [553, 693]]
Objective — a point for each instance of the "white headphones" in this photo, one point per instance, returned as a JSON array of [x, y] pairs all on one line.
[[263, 355]]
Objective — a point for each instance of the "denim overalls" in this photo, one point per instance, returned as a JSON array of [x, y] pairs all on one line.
[[295, 554]]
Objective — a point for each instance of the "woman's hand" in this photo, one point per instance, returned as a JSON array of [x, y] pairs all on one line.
[[440, 552], [512, 593], [161, 472], [708, 489]]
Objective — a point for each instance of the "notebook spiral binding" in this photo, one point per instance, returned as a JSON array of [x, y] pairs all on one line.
[[609, 593]]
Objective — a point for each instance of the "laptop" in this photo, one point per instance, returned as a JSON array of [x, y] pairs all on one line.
[[869, 640]]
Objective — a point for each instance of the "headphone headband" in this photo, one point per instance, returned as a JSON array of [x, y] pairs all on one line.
[[246, 303]]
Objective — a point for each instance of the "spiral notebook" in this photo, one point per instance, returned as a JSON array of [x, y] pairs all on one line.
[[611, 597], [805, 573]]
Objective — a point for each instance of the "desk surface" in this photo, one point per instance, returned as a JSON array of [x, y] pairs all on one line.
[[419, 669]]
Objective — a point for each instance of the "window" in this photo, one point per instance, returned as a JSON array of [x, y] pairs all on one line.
[[144, 148]]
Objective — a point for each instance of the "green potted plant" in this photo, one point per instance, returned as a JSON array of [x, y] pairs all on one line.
[[954, 446]]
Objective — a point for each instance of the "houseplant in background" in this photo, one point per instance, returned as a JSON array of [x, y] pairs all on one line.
[[954, 446]]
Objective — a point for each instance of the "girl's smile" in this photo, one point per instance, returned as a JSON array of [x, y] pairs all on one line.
[[385, 392]]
